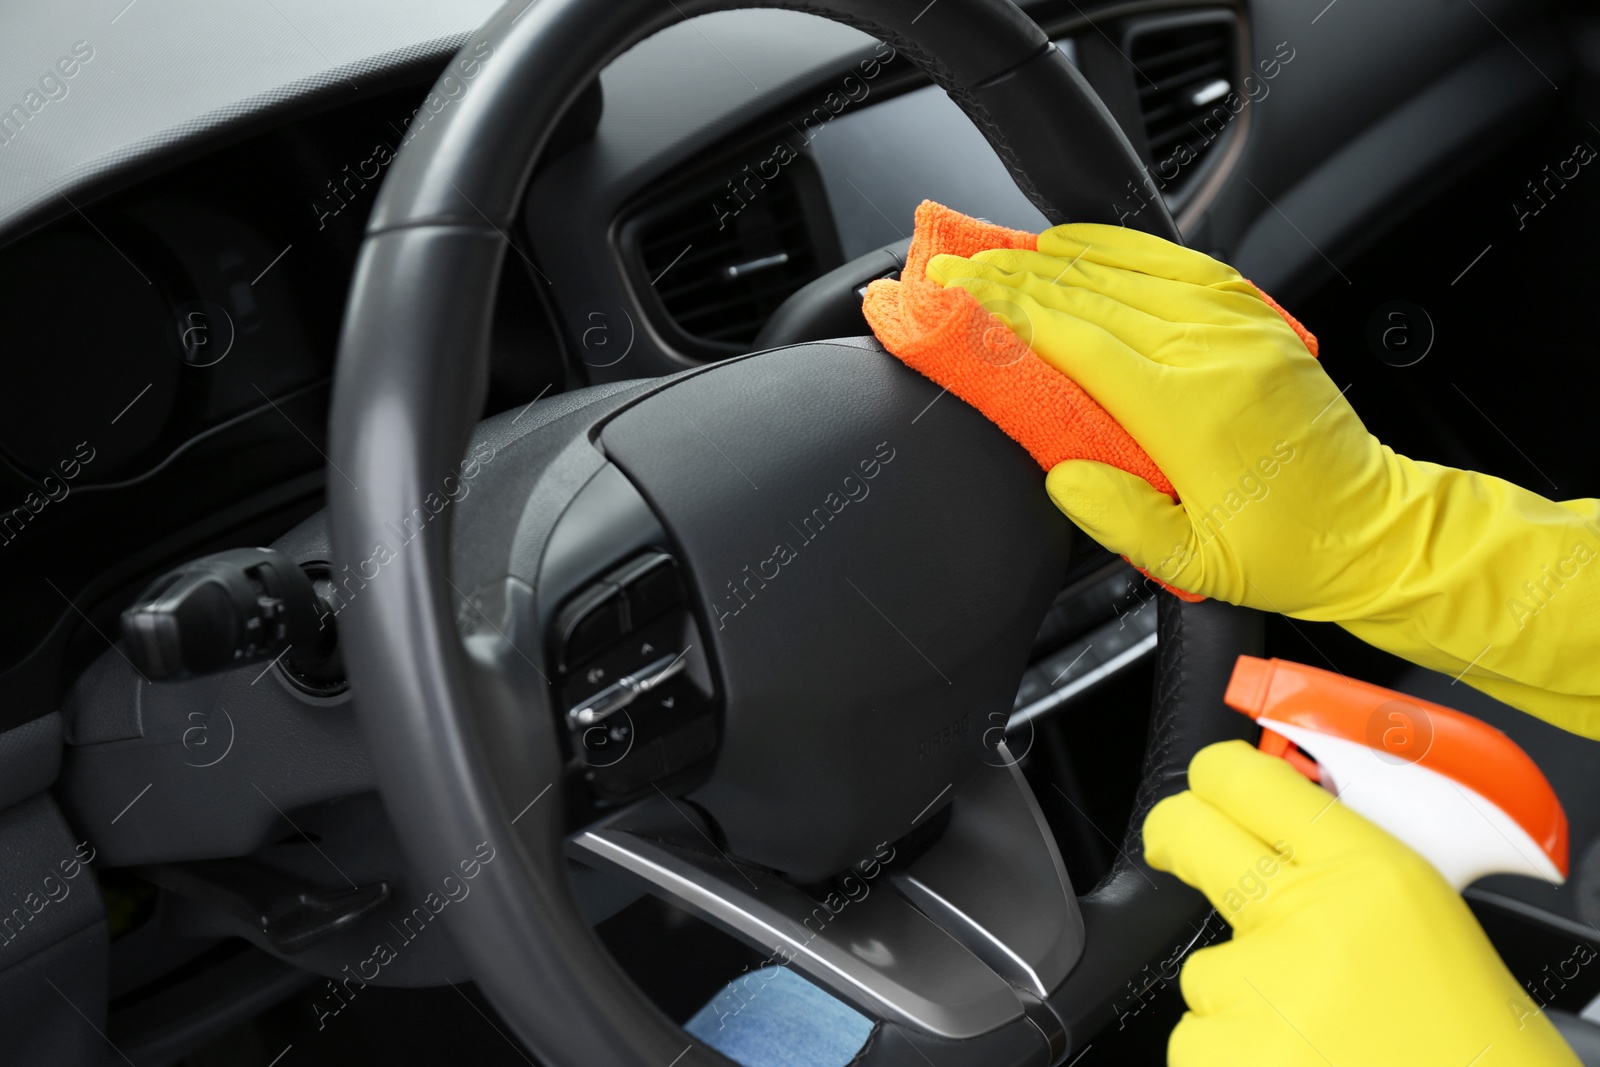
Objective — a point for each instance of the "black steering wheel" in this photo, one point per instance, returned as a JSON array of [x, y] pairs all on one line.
[[743, 634]]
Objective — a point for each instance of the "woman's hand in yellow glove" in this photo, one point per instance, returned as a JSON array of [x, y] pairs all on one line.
[[1348, 947], [1284, 493], [1288, 503]]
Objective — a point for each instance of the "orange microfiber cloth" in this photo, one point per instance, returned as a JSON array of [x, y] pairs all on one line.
[[948, 336]]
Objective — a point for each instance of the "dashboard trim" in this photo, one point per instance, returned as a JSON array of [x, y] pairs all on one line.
[[220, 127]]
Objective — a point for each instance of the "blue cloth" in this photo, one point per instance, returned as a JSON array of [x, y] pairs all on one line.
[[775, 1018]]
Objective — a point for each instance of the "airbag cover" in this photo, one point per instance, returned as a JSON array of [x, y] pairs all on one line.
[[872, 560]]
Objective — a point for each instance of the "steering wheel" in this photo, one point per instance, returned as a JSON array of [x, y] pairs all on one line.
[[749, 634]]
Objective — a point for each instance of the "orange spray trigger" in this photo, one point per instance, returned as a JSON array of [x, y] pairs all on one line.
[[1452, 787], [1278, 745]]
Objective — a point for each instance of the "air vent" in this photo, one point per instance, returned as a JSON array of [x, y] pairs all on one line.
[[1186, 70], [724, 258]]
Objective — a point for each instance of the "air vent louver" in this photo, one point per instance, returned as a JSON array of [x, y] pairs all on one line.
[[1186, 71], [722, 261]]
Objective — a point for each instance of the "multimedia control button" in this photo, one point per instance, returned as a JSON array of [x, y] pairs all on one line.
[[589, 624]]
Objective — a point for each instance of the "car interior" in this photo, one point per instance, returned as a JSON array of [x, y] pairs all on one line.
[[401, 407]]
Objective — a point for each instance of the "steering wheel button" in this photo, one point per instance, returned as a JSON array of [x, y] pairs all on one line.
[[627, 689], [591, 623], [655, 590]]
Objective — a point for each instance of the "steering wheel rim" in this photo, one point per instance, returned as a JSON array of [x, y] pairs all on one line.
[[410, 380]]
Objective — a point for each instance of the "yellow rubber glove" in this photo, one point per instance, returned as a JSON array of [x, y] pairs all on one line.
[[1288, 503], [1348, 948]]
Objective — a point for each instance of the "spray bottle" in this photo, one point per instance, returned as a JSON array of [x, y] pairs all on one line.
[[1456, 790]]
